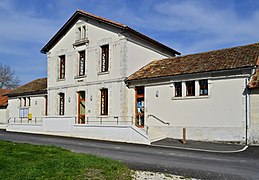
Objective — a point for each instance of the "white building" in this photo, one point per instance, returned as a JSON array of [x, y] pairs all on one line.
[[88, 60], [95, 90], [205, 93], [27, 104]]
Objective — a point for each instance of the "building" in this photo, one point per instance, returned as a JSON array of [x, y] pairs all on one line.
[[213, 95], [97, 89], [27, 104], [3, 107], [88, 60]]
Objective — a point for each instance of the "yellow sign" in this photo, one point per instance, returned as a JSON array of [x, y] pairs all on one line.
[[30, 116]]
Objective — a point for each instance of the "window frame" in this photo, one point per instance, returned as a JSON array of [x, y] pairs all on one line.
[[62, 67], [104, 101], [81, 99], [81, 64], [190, 87], [178, 87], [105, 58], [61, 104], [203, 88]]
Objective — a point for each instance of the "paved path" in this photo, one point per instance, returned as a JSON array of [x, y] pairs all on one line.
[[204, 165]]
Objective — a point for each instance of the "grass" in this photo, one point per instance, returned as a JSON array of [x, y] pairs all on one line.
[[25, 161]]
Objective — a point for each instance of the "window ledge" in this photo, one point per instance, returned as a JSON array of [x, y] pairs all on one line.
[[190, 97], [79, 42], [80, 77], [61, 79], [102, 73]]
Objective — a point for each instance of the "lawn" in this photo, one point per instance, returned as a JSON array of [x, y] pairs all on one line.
[[25, 161]]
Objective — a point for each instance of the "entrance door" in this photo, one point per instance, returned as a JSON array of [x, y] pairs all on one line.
[[140, 106], [81, 107]]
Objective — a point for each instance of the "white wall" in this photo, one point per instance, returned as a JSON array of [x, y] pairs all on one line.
[[3, 115], [224, 107], [37, 107], [125, 57], [254, 116]]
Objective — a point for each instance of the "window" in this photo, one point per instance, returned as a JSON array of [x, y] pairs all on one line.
[[62, 67], [104, 101], [105, 58], [81, 63], [46, 105], [23, 112], [190, 88], [24, 102], [203, 87], [61, 104], [84, 32], [79, 33], [29, 101], [178, 89], [81, 107]]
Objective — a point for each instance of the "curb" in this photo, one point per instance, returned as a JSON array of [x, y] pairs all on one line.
[[201, 150]]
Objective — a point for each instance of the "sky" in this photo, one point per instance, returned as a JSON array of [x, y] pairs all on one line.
[[188, 26]]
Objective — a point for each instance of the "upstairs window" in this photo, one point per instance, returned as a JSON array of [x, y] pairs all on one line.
[[203, 87], [104, 101], [61, 104], [190, 88], [178, 89], [81, 63], [105, 58], [62, 67]]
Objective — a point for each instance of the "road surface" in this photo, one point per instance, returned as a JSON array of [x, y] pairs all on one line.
[[203, 165]]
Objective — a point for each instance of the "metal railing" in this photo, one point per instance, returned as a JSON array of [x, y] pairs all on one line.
[[158, 119], [24, 120], [105, 120]]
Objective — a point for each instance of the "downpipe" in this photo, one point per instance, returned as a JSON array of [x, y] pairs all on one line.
[[246, 110]]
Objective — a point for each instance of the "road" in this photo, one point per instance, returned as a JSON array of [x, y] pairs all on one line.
[[203, 165]]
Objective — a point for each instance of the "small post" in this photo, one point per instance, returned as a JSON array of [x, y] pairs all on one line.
[[184, 135]]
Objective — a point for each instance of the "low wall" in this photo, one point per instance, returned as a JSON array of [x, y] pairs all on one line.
[[66, 126], [227, 134]]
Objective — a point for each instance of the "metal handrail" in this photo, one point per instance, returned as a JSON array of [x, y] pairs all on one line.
[[150, 115], [100, 119]]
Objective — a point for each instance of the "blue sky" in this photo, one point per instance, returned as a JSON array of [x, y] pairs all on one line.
[[188, 26]]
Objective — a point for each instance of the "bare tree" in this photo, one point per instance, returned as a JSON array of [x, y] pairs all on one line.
[[8, 79]]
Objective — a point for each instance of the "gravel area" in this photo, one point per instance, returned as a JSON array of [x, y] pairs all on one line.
[[144, 175]]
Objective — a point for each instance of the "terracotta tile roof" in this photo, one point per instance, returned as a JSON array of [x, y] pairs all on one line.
[[125, 28], [3, 98], [224, 59], [37, 86]]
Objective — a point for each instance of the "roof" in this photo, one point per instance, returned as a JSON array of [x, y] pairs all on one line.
[[224, 59], [3, 98], [81, 13], [38, 86]]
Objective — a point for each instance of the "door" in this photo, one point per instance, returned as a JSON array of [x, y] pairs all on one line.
[[140, 106]]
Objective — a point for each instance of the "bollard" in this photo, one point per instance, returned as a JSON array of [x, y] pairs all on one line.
[[184, 135]]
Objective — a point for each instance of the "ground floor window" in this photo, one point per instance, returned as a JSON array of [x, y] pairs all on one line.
[[104, 101], [190, 88], [23, 112], [61, 104], [203, 87], [81, 107], [178, 89]]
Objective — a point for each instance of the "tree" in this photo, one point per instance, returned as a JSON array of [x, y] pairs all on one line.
[[8, 79]]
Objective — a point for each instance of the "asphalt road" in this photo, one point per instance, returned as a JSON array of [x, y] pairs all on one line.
[[203, 165]]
